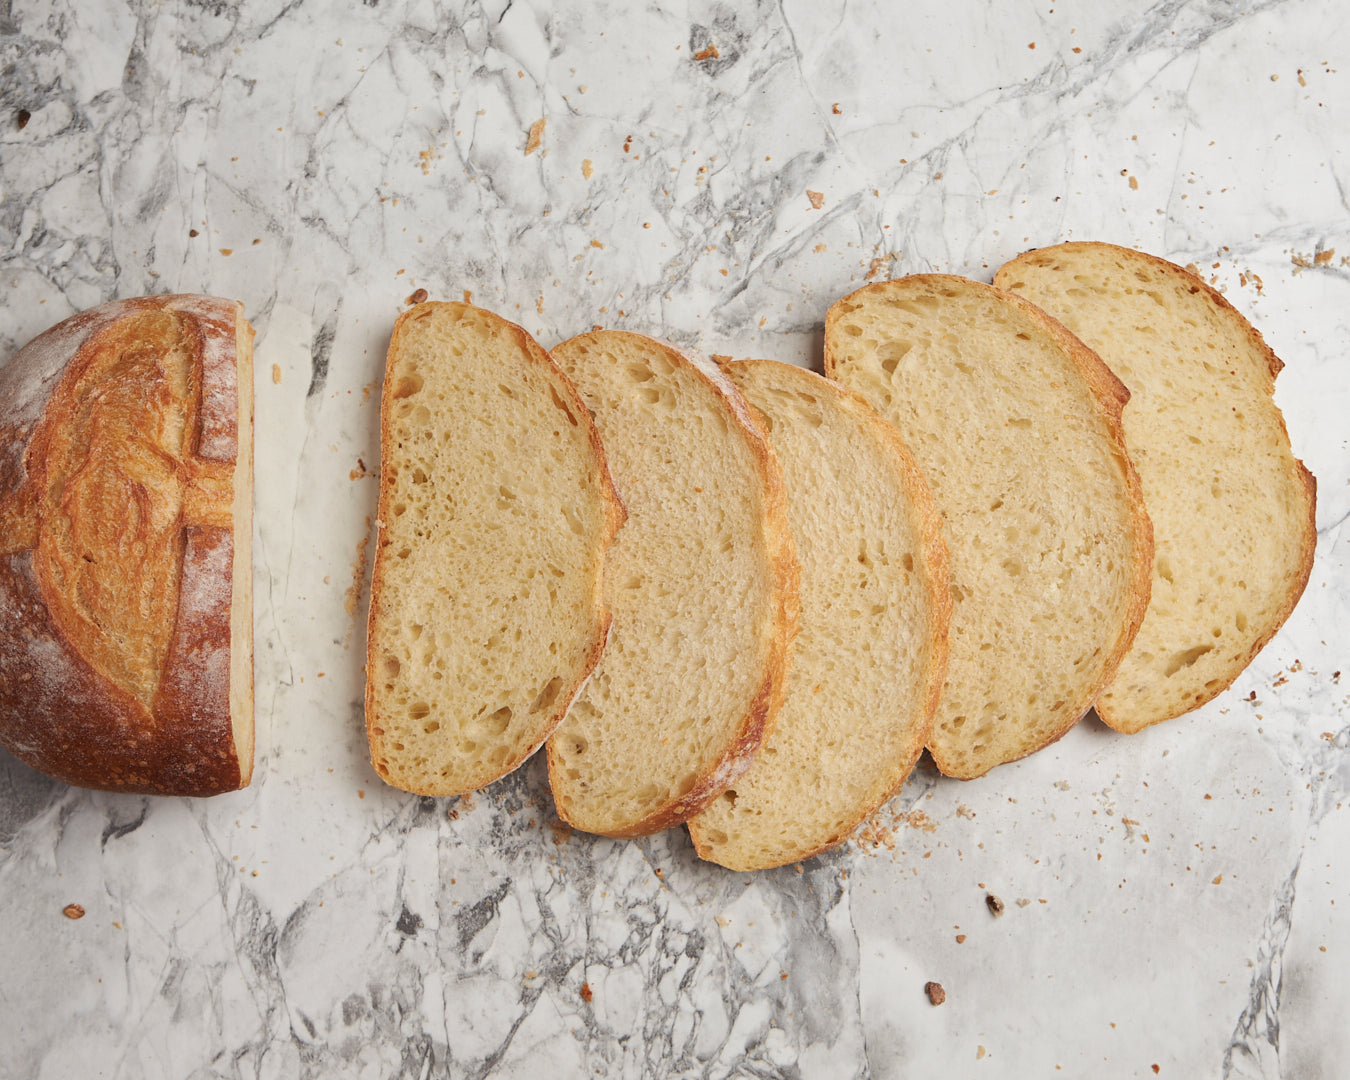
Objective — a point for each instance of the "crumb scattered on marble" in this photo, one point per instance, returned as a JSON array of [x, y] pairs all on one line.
[[994, 904], [817, 198], [536, 136], [980, 1051], [227, 251], [419, 297], [587, 169], [276, 373], [709, 53], [1218, 880], [836, 109], [722, 921], [73, 911], [586, 993], [936, 995], [960, 939]]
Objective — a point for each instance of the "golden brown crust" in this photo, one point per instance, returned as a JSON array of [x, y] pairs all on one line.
[[615, 515], [1110, 396], [116, 548], [754, 727], [1007, 274], [939, 617]]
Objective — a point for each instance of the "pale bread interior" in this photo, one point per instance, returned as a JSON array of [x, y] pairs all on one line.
[[495, 512], [677, 705], [1232, 508], [241, 591], [1016, 428], [869, 657]]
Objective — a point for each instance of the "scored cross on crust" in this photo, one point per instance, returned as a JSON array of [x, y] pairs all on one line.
[[113, 482]]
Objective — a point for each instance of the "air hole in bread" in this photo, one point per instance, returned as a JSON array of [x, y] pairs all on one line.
[[1185, 659], [1240, 620], [431, 727], [548, 695], [400, 509], [562, 405], [418, 709], [573, 522], [407, 385], [391, 666], [892, 353], [506, 390], [419, 476], [639, 373], [1020, 423], [498, 722]]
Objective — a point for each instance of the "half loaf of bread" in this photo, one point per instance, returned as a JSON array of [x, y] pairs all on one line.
[[126, 525], [871, 651], [496, 507], [703, 585], [1016, 426], [1233, 510]]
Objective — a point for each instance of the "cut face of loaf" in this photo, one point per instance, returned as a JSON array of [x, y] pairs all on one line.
[[869, 657], [702, 582], [496, 507], [1233, 510], [126, 525], [1016, 427]]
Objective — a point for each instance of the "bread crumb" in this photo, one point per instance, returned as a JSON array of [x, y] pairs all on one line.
[[419, 297], [966, 812], [536, 136], [193, 233], [227, 251], [722, 921], [935, 993], [73, 911], [1031, 45], [596, 244], [1323, 258], [994, 904], [980, 1051], [562, 831], [836, 109], [1077, 49], [586, 993], [587, 169], [960, 939], [1218, 880], [276, 373], [817, 198], [1134, 183], [710, 53], [1155, 1068]]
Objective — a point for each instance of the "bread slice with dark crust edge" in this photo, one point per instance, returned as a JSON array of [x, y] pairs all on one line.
[[1079, 283], [696, 740], [1040, 537], [485, 438], [870, 655], [126, 525]]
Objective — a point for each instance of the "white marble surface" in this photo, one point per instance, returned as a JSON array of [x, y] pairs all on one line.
[[1175, 901]]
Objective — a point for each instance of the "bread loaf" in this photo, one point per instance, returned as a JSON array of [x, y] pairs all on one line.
[[1233, 510], [1016, 426], [703, 585], [126, 630], [871, 652], [496, 507]]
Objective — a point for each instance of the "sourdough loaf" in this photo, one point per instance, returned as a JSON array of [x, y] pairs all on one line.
[[126, 630], [496, 508], [869, 657], [1016, 427], [1233, 510], [703, 585]]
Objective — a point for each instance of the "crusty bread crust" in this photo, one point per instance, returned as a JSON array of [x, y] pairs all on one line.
[[379, 618], [1122, 719], [752, 728], [1109, 396], [119, 460], [892, 772]]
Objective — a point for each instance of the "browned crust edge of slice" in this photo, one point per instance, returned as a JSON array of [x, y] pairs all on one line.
[[1302, 477], [785, 572], [1110, 396], [615, 515], [936, 560]]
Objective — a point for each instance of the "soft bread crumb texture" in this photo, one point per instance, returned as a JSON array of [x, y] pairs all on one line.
[[495, 511], [869, 657], [1016, 427], [1233, 510], [697, 582]]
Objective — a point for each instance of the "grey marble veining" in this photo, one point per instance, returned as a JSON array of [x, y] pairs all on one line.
[[1174, 899]]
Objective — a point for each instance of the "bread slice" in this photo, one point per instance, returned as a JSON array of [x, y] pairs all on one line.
[[870, 655], [126, 525], [496, 507], [1016, 426], [703, 585], [1233, 510]]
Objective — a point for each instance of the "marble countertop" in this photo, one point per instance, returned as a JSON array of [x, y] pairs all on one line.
[[1174, 902]]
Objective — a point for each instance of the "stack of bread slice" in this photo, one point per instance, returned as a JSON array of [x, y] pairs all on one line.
[[945, 543]]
